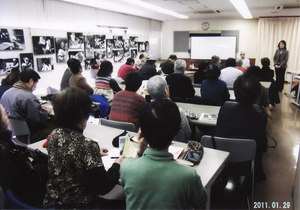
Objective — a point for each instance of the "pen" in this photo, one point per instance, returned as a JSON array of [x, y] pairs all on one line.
[[114, 157]]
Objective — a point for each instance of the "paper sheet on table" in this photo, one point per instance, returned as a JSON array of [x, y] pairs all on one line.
[[129, 149], [176, 151]]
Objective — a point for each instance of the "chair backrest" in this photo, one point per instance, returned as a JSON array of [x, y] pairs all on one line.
[[14, 203], [240, 149], [19, 128], [116, 124]]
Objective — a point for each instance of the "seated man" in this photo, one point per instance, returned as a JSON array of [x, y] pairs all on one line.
[[230, 73], [21, 104], [148, 70], [168, 66], [127, 104], [242, 120], [155, 180], [77, 80], [157, 88], [180, 85], [125, 68]]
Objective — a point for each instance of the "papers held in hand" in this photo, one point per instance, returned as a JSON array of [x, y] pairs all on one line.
[[207, 116]]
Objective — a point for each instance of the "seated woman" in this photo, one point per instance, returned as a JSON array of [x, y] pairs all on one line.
[[199, 76], [9, 80], [212, 88], [105, 85], [75, 167], [242, 120]]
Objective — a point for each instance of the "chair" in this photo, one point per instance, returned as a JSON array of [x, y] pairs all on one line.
[[14, 203], [240, 150], [19, 128], [120, 125]]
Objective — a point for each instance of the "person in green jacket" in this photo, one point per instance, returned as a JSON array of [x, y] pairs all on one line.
[[155, 180]]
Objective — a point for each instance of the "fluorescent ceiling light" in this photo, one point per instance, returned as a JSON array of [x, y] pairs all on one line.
[[242, 8], [156, 8]]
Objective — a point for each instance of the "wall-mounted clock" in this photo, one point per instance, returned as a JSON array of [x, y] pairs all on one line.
[[205, 26]]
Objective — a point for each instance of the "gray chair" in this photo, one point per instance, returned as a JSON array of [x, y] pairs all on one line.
[[240, 150], [120, 125], [19, 128]]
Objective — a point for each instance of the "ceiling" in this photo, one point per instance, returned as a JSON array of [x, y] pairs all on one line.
[[207, 9]]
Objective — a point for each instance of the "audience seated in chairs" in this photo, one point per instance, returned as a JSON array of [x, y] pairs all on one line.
[[126, 68], [76, 171], [9, 80], [213, 88], [127, 104], [199, 76], [180, 85], [77, 80], [157, 88], [105, 85], [21, 104], [267, 74], [242, 120], [230, 73], [155, 180], [167, 67]]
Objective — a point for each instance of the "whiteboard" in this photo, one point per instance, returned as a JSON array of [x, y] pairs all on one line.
[[204, 47]]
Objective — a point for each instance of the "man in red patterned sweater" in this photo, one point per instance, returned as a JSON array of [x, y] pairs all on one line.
[[127, 104]]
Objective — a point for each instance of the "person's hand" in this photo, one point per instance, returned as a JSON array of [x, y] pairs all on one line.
[[119, 160], [277, 66], [103, 151], [142, 142], [49, 110]]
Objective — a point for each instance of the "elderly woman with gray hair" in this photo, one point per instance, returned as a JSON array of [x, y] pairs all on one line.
[[181, 86], [157, 88]]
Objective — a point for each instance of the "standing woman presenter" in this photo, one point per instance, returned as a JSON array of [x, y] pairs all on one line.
[[280, 63]]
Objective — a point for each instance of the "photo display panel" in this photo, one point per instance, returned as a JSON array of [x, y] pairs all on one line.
[[204, 47]]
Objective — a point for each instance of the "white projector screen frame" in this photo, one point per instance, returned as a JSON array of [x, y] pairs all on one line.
[[204, 47]]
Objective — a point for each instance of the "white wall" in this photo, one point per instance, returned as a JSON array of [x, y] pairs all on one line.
[[247, 37], [56, 18]]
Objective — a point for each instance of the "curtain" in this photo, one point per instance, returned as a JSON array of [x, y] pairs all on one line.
[[271, 31]]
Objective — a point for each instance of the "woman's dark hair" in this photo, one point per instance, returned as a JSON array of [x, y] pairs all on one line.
[[74, 65], [265, 62], [11, 78], [71, 106], [160, 121], [254, 71], [283, 42], [141, 56], [247, 89], [133, 81], [203, 65], [26, 75], [129, 61], [212, 72], [230, 62], [173, 57], [106, 68], [215, 59]]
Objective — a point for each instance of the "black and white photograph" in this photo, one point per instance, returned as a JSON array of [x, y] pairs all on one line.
[[44, 64], [76, 40], [118, 41], [100, 55], [141, 47], [89, 46], [43, 45], [26, 61], [133, 53], [118, 55], [79, 55], [109, 48], [11, 39], [133, 41], [99, 41], [87, 64], [126, 48], [6, 65], [147, 46], [62, 54]]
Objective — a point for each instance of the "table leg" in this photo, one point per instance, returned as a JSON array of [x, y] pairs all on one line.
[[208, 189]]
